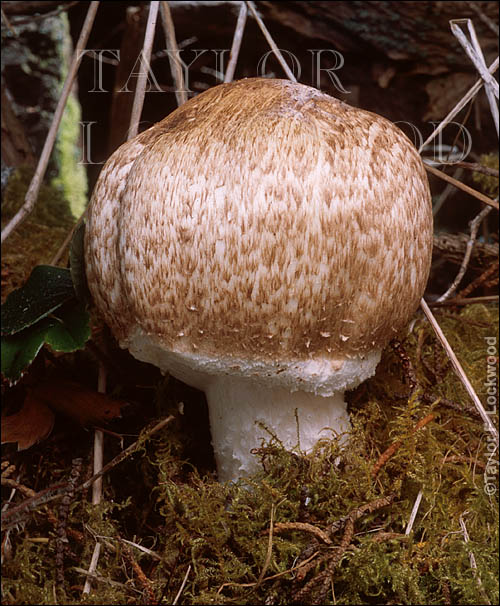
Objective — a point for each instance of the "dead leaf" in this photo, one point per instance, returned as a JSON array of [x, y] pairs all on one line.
[[30, 425], [86, 406]]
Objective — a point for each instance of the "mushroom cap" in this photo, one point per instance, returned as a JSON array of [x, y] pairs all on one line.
[[262, 220]]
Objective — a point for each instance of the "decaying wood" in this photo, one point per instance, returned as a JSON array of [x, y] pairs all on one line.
[[418, 32], [452, 247], [30, 8], [16, 148]]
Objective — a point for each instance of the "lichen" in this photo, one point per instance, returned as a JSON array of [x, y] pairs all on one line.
[[71, 178]]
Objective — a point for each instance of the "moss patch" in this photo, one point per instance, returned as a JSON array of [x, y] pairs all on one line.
[[38, 239], [216, 537], [72, 178]]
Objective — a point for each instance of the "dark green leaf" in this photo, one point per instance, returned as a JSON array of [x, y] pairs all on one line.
[[72, 330], [66, 330], [46, 289], [19, 350]]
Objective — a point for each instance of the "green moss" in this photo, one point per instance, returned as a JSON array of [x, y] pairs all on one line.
[[488, 184], [72, 178], [39, 237], [222, 531]]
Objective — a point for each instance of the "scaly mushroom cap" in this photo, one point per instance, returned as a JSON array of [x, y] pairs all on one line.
[[263, 220]]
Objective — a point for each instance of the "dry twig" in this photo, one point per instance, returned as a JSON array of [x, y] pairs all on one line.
[[173, 54], [144, 582], [492, 270], [414, 512], [468, 301], [475, 167], [16, 514], [393, 448], [474, 227], [235, 47], [460, 371], [181, 588], [142, 79], [472, 559], [304, 526], [471, 93], [299, 567], [462, 186], [97, 485], [271, 42], [269, 548], [473, 50], [324, 579]]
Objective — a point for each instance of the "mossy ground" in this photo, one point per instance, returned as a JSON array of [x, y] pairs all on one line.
[[38, 238], [218, 536]]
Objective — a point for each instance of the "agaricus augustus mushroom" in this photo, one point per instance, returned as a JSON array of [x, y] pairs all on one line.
[[262, 243]]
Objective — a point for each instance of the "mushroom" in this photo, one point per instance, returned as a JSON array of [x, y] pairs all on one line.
[[262, 243]]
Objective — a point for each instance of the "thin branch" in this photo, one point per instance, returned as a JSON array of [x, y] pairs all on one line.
[[8, 24], [476, 167], [414, 512], [173, 55], [181, 588], [58, 490], [97, 485], [484, 18], [269, 552], [474, 228], [92, 568], [460, 371], [473, 50], [472, 559], [237, 38], [462, 186], [467, 301], [142, 79], [271, 42], [36, 182], [124, 454], [297, 569], [395, 446], [446, 192], [99, 443], [471, 93], [142, 579], [304, 526], [492, 270], [57, 257]]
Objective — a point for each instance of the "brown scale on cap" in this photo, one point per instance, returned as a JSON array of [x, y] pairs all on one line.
[[262, 218]]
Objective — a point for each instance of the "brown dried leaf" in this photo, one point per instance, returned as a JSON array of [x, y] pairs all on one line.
[[30, 425], [74, 400]]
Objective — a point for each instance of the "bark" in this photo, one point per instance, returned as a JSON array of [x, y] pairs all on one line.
[[410, 31]]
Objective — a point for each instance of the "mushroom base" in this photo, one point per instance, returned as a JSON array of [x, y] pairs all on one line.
[[243, 414], [252, 400]]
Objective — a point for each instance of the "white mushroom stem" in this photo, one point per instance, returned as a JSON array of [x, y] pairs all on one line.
[[244, 413], [299, 401]]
